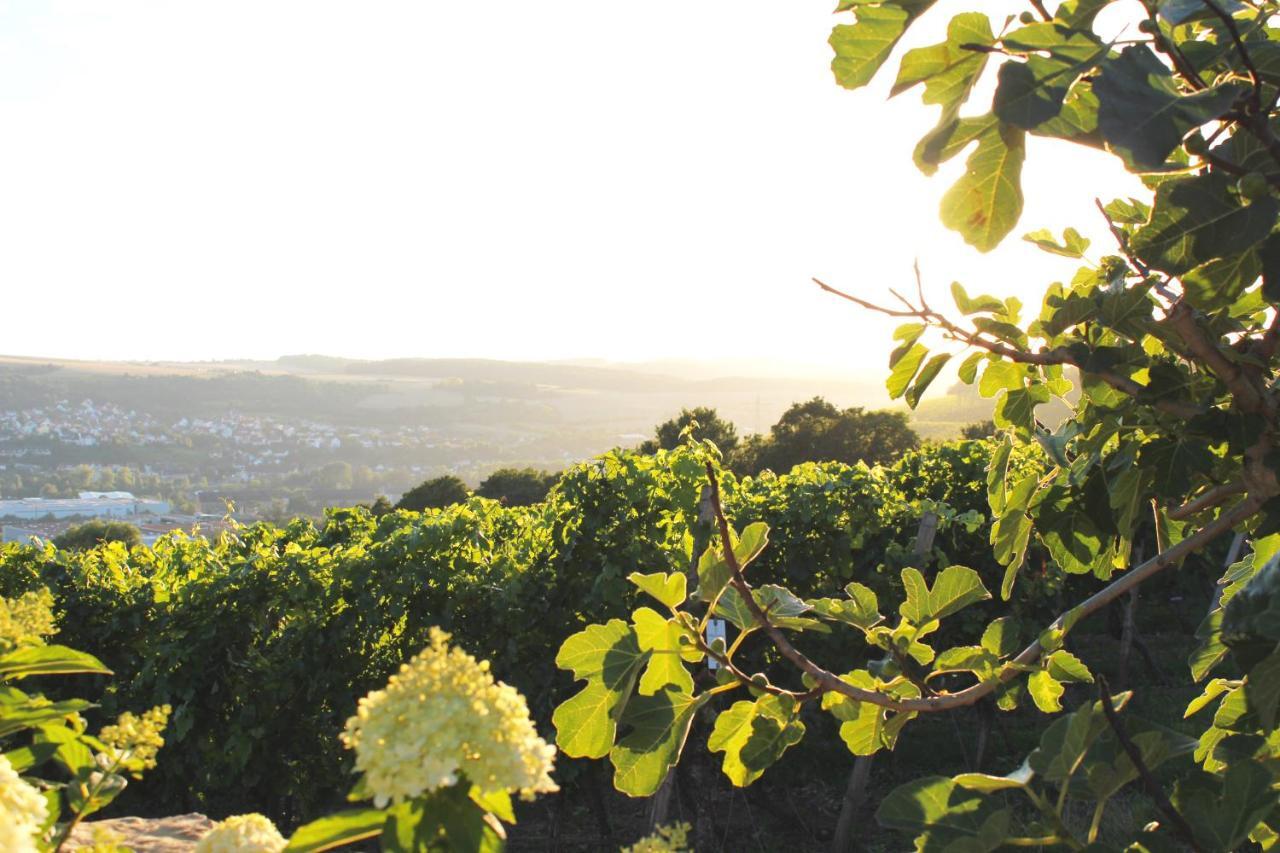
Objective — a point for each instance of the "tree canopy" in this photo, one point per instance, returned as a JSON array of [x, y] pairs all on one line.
[[91, 534], [818, 431], [709, 427], [435, 493], [517, 486]]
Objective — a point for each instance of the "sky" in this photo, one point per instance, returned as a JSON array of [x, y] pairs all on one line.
[[514, 180]]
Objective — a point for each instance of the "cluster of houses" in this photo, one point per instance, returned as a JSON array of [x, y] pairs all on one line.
[[90, 424]]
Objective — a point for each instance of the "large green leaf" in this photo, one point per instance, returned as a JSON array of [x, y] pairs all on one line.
[[946, 816], [1017, 408], [714, 573], [1064, 744], [669, 589], [928, 373], [1032, 92], [754, 735], [861, 609], [1072, 537], [952, 135], [49, 660], [658, 727], [609, 657], [660, 638], [1223, 811], [1141, 112], [1196, 220], [948, 70], [1221, 281], [861, 48], [985, 204], [954, 588], [37, 712], [904, 367], [337, 830]]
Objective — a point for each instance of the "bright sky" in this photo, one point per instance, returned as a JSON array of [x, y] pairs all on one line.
[[570, 178]]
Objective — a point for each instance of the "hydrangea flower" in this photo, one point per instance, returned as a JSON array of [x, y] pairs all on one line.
[[441, 717], [673, 838], [22, 811], [246, 833], [26, 620], [134, 739]]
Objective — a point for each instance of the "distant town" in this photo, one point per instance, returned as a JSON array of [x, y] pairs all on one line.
[[184, 445]]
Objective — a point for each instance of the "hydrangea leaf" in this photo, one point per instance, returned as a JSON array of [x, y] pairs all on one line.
[[49, 660], [336, 830]]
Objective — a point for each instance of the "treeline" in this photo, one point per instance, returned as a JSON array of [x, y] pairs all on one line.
[[812, 431]]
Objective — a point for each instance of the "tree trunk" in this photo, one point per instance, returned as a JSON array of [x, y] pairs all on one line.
[[846, 836]]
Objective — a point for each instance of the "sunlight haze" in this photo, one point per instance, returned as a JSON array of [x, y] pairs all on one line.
[[554, 180]]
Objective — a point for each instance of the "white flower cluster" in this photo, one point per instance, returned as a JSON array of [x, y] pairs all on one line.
[[22, 811], [673, 838], [442, 717], [246, 833], [26, 620]]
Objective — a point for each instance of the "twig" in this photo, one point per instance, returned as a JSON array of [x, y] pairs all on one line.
[[1176, 820], [1057, 356], [1121, 239], [1210, 498], [1255, 97]]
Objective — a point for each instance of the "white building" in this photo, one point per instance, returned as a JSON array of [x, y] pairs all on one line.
[[88, 505]]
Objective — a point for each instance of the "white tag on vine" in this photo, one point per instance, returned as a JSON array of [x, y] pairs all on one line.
[[715, 628]]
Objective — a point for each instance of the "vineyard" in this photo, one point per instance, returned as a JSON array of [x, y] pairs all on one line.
[[309, 618]]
